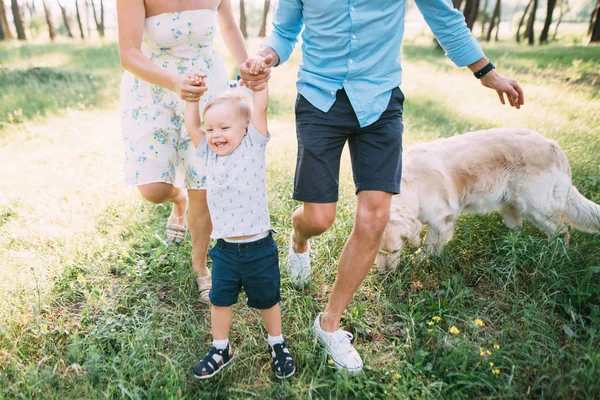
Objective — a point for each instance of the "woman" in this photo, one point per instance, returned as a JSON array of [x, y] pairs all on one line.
[[162, 45]]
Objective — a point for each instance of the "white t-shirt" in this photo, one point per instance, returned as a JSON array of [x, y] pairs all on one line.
[[236, 187]]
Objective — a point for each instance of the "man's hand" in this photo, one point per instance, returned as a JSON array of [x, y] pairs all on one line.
[[256, 71], [502, 86]]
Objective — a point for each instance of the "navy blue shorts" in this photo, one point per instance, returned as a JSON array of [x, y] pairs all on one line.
[[252, 266], [375, 150]]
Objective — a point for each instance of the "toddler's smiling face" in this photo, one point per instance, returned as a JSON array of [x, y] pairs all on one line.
[[225, 128]]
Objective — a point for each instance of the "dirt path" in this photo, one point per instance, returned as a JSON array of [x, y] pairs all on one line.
[[57, 176]]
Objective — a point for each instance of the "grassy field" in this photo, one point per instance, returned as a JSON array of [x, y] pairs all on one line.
[[93, 304]]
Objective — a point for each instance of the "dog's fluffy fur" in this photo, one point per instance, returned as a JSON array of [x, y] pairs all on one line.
[[516, 172]]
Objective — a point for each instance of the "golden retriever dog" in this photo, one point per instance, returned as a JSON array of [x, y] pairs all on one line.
[[516, 172]]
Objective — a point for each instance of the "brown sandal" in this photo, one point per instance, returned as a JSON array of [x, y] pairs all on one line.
[[176, 231], [204, 285]]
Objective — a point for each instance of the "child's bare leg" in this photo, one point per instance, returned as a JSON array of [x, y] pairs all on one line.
[[221, 318], [272, 318]]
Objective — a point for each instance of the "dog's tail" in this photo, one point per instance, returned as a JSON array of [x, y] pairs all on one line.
[[581, 213]]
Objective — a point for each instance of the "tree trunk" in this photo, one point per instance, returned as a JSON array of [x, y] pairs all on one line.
[[594, 30], [523, 20], [529, 31], [484, 17], [263, 27], [549, 11], [457, 4], [5, 33], [51, 29], [99, 22], [470, 12], [561, 10], [498, 22], [63, 11], [18, 19], [87, 18], [243, 27], [494, 22], [79, 19]]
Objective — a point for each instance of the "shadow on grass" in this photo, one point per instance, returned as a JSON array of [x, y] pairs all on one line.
[[571, 64], [39, 91]]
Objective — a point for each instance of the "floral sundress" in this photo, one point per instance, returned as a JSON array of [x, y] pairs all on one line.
[[157, 145]]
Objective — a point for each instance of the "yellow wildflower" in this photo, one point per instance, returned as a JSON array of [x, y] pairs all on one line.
[[430, 323], [491, 364], [496, 371], [437, 318], [497, 346], [479, 323], [489, 353], [481, 352], [429, 330], [330, 361], [396, 376], [454, 330]]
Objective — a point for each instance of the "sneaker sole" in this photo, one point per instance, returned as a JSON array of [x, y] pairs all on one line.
[[286, 376], [214, 373]]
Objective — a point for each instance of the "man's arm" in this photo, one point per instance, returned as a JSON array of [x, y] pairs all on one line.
[[449, 27], [287, 24], [500, 84]]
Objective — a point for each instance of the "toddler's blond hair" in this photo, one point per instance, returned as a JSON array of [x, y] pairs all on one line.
[[236, 98]]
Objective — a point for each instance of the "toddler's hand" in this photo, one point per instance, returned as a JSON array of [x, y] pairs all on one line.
[[198, 79], [256, 64]]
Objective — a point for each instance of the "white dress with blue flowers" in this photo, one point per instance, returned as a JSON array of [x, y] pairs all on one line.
[[157, 145]]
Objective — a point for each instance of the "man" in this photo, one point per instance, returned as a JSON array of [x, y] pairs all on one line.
[[348, 91]]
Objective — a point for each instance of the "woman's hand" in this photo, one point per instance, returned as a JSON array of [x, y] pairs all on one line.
[[190, 86]]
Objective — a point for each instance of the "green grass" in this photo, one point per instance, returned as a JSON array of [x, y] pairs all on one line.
[[119, 316]]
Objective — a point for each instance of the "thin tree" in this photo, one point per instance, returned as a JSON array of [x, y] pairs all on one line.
[[522, 20], [99, 20], [484, 17], [63, 11], [563, 6], [243, 21], [529, 30], [494, 23], [51, 29], [594, 29], [263, 26], [87, 18], [78, 14], [5, 33], [18, 20], [470, 12], [551, 4]]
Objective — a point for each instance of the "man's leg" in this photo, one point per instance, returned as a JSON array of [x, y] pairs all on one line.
[[372, 216], [309, 220]]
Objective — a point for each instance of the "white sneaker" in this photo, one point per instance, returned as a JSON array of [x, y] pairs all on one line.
[[338, 346], [298, 266]]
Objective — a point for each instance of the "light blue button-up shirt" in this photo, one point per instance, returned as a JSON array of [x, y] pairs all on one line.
[[355, 45]]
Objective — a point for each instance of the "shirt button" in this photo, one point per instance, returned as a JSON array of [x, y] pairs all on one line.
[[353, 36], [350, 61], [345, 80], [351, 8], [332, 93]]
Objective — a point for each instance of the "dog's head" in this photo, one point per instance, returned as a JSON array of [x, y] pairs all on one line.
[[399, 231]]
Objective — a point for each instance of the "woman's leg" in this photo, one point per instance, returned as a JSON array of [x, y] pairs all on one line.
[[160, 192], [200, 228]]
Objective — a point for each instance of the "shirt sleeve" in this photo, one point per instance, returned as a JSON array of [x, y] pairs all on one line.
[[287, 24], [202, 150], [255, 137], [449, 27]]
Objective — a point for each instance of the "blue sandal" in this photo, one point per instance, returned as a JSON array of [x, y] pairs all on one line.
[[213, 362]]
